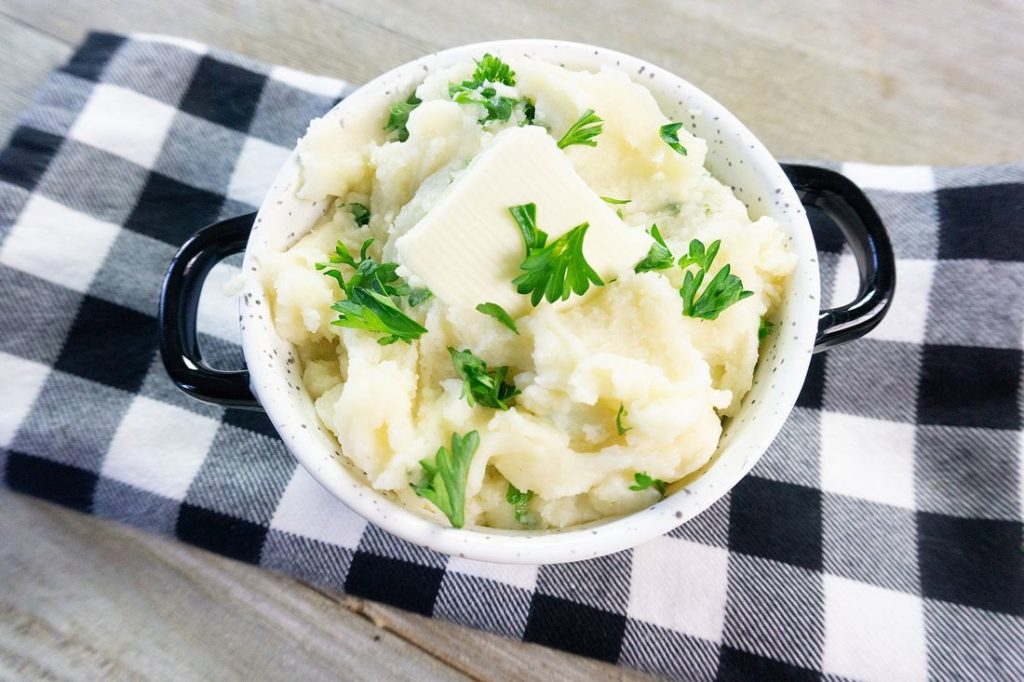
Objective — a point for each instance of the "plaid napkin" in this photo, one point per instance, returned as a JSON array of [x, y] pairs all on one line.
[[879, 538]]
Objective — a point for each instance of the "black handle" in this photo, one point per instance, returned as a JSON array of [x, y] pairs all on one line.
[[844, 202], [179, 301]]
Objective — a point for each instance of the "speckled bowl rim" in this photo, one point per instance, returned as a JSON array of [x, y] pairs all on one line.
[[735, 156]]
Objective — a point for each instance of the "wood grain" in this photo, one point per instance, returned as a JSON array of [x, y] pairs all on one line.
[[28, 55], [890, 82], [83, 598], [914, 81]]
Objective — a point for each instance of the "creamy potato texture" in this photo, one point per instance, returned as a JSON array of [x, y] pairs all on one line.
[[622, 345]]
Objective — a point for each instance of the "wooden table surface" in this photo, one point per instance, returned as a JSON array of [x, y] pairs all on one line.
[[887, 82]]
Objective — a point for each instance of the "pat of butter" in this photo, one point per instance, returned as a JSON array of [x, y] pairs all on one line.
[[468, 248]]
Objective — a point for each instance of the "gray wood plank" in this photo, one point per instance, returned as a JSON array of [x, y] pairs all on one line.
[[900, 82], [28, 56], [83, 598], [870, 81]]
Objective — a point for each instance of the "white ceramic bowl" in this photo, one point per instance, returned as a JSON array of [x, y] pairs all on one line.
[[734, 156]]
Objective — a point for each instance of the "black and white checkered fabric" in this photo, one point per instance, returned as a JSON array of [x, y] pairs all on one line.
[[879, 538]]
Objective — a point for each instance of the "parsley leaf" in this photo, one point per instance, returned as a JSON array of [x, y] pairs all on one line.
[[420, 295], [526, 218], [699, 256], [479, 89], [622, 414], [529, 112], [644, 481], [381, 277], [498, 313], [552, 270], [765, 329], [615, 201], [480, 384], [360, 213], [444, 482], [670, 134], [583, 131], [558, 269], [398, 117], [658, 256], [520, 503], [491, 68], [368, 302], [722, 291], [366, 309], [498, 107]]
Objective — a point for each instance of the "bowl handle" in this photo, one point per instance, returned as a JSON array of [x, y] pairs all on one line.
[[179, 301], [844, 202]]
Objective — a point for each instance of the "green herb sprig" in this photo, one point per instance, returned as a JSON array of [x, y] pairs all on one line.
[[520, 501], [526, 219], [764, 329], [722, 291], [658, 256], [479, 89], [360, 213], [445, 477], [366, 309], [497, 107], [491, 69], [553, 271], [588, 126], [369, 296], [619, 419], [645, 481], [398, 116], [498, 313], [481, 384], [670, 135]]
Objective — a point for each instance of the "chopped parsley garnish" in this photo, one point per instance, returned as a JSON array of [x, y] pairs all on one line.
[[398, 117], [498, 107], [492, 69], [658, 256], [419, 295], [765, 329], [583, 131], [670, 134], [520, 502], [480, 384], [722, 291], [615, 202], [529, 112], [479, 89], [526, 218], [361, 214], [619, 426], [556, 270], [644, 481], [699, 255], [498, 313], [381, 277], [369, 296], [444, 482], [366, 309]]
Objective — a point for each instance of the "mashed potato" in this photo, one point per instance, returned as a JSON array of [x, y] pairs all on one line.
[[623, 349]]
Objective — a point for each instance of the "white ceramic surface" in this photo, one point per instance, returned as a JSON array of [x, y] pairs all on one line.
[[735, 156]]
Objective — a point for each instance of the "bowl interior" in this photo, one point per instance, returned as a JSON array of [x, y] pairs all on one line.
[[735, 156]]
